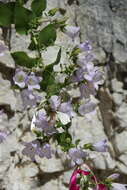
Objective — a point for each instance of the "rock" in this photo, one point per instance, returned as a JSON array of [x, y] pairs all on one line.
[[6, 94], [117, 86], [121, 142], [121, 116], [117, 98]]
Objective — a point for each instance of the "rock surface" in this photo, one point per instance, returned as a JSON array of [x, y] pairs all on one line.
[[104, 23]]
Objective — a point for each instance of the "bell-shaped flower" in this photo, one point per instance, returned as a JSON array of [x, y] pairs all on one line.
[[33, 81], [55, 102], [20, 78], [67, 108], [43, 124], [72, 31], [46, 151], [87, 108], [29, 98], [31, 149], [77, 76], [85, 46], [77, 156], [101, 146]]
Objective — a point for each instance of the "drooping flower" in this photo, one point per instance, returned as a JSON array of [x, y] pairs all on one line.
[[118, 186], [101, 146], [77, 156], [20, 78], [29, 98], [72, 31], [85, 46], [3, 136], [33, 81], [87, 108], [55, 102]]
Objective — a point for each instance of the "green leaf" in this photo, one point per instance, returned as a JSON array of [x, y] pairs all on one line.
[[48, 84], [23, 18], [38, 6], [22, 59], [64, 140], [7, 13], [47, 36]]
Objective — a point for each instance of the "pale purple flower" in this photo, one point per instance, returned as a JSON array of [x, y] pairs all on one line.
[[101, 146], [34, 148], [46, 151], [3, 48], [45, 126], [87, 89], [31, 149], [78, 76], [54, 102], [19, 78], [29, 98], [98, 79], [33, 81], [85, 59], [72, 31], [93, 75], [85, 46], [113, 176], [77, 155], [3, 136], [42, 115], [87, 108], [118, 186], [67, 108]]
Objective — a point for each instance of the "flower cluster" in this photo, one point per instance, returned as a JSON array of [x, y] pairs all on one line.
[[31, 81]]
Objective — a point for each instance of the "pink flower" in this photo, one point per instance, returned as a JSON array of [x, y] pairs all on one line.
[[73, 181]]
